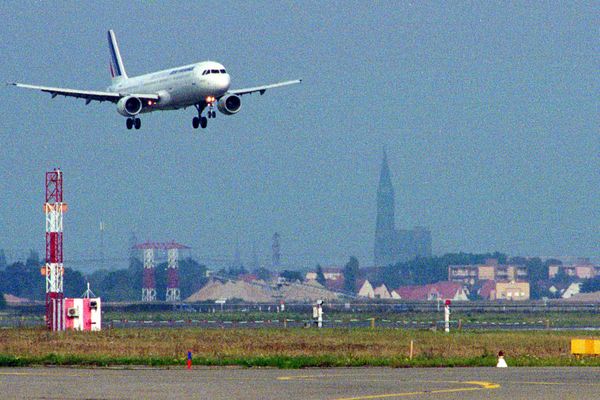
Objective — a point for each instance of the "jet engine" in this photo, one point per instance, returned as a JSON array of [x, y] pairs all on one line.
[[129, 106], [229, 104]]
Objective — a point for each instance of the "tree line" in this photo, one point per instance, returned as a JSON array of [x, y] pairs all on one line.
[[24, 279]]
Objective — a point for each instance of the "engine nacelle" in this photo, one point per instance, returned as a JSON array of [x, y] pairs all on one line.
[[229, 104], [129, 106]]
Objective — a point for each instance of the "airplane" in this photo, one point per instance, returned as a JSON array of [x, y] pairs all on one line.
[[202, 85]]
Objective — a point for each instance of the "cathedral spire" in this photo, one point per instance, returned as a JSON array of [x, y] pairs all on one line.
[[384, 176], [385, 230]]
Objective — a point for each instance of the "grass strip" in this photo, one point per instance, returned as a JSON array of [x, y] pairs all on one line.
[[287, 348], [290, 362]]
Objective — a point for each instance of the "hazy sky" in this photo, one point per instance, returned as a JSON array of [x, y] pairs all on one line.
[[488, 111]]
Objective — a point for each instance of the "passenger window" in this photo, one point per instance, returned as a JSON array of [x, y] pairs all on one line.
[[214, 71], [223, 71]]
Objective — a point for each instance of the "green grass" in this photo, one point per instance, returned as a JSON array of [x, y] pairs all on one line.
[[287, 348], [284, 362]]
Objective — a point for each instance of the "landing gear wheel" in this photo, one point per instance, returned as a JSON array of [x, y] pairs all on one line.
[[214, 114], [203, 122], [209, 114], [137, 123], [195, 122], [129, 123]]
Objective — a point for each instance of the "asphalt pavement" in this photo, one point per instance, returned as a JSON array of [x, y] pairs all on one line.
[[331, 383]]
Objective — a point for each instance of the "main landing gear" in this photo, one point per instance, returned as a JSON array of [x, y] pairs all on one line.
[[200, 120], [133, 122]]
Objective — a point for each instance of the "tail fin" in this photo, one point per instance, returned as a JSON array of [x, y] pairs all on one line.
[[117, 69]]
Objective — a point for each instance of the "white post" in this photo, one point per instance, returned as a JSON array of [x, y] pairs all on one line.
[[447, 316], [318, 313], [320, 318]]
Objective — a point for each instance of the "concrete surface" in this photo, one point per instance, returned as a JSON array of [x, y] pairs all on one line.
[[335, 383]]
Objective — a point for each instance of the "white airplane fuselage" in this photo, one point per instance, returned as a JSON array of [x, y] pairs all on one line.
[[178, 87], [203, 85]]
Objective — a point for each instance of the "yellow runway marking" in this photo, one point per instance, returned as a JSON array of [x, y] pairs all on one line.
[[482, 386], [38, 374], [556, 383], [479, 385]]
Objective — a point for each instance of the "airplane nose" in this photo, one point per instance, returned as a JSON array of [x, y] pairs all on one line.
[[226, 82]]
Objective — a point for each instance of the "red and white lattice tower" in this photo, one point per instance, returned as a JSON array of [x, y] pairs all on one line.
[[149, 288], [53, 270], [173, 293], [149, 284]]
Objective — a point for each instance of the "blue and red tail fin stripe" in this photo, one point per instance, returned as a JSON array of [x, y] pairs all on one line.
[[116, 63]]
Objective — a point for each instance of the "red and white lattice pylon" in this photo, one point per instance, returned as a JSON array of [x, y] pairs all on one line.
[[53, 270], [149, 288], [173, 294]]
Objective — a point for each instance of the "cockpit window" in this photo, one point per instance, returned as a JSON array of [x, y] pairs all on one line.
[[205, 72], [223, 71], [214, 71]]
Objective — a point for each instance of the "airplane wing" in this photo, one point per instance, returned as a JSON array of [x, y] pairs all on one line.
[[88, 95], [263, 89]]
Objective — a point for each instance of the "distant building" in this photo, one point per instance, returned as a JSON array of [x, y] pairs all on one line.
[[493, 290], [582, 269], [395, 245], [512, 290], [367, 290], [334, 278], [434, 291], [490, 270], [330, 274], [573, 289], [382, 292]]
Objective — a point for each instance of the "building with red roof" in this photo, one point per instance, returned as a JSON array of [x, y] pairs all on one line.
[[434, 291]]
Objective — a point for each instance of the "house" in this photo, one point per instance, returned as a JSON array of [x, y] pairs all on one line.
[[582, 269], [493, 290], [382, 292], [573, 289], [434, 291], [366, 290], [330, 273], [512, 290]]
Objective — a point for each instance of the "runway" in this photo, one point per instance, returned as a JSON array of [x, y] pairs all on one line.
[[331, 383]]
